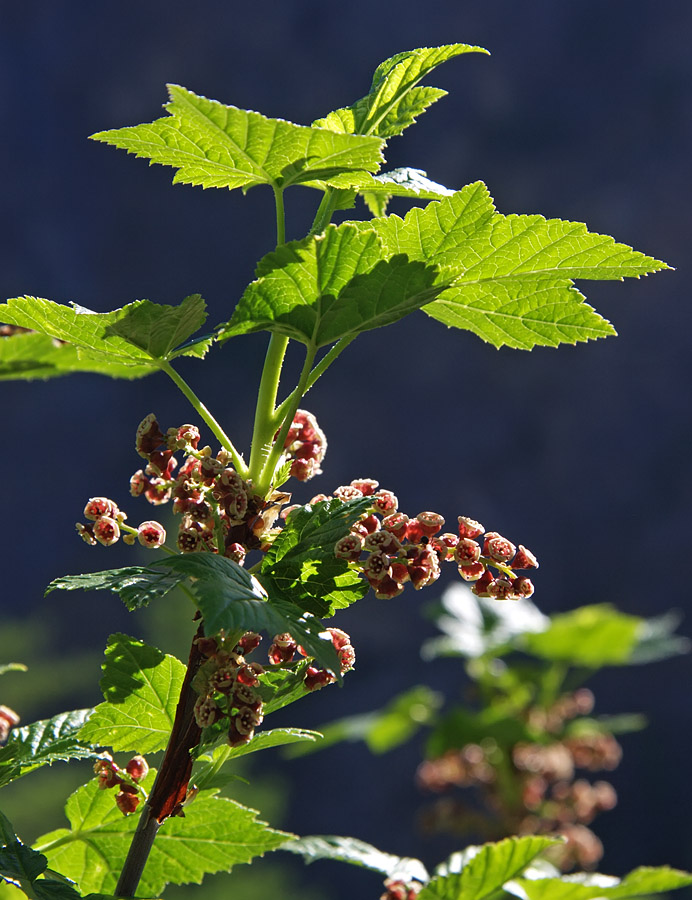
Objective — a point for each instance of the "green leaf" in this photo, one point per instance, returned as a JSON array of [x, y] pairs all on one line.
[[25, 868], [30, 355], [43, 743], [394, 100], [282, 685], [485, 872], [230, 599], [138, 335], [384, 729], [474, 626], [300, 566], [514, 273], [459, 726], [214, 145], [210, 762], [137, 586], [357, 853], [656, 639], [325, 287], [214, 835], [141, 686], [591, 636], [641, 882]]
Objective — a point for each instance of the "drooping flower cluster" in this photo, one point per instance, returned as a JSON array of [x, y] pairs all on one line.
[[229, 685], [125, 780], [217, 508], [284, 648], [306, 445], [550, 798], [391, 549]]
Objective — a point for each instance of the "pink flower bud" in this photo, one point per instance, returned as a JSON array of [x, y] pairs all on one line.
[[126, 801], [524, 559], [137, 768], [100, 506], [467, 551], [469, 528], [430, 522], [498, 548]]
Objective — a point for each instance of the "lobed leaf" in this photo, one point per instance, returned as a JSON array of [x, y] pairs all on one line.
[[325, 287], [214, 835], [641, 882], [136, 337], [214, 145], [136, 585], [486, 869], [44, 742], [513, 283], [394, 100], [358, 853], [300, 566], [141, 686]]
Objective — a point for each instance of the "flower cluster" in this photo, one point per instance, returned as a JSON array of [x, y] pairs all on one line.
[[229, 685], [217, 508], [399, 549], [110, 775], [305, 445], [284, 648], [550, 798], [8, 720], [107, 524]]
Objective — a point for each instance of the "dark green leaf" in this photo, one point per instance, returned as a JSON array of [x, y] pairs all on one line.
[[213, 145], [141, 686], [43, 743], [135, 585], [325, 287], [230, 600], [300, 566], [24, 868], [357, 853], [282, 685]]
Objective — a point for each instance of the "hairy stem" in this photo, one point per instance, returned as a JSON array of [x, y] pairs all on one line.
[[324, 213], [316, 373], [266, 421], [172, 779], [204, 413], [276, 449]]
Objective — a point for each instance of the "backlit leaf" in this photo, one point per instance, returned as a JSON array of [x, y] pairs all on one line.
[[214, 145], [141, 686]]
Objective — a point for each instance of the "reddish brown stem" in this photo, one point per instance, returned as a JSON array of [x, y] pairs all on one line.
[[171, 784]]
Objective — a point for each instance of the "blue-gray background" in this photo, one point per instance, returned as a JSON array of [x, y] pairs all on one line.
[[583, 111]]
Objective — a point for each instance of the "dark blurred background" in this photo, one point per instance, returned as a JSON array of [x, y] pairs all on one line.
[[583, 111]]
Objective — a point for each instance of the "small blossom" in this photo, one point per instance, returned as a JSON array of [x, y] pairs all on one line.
[[106, 531], [151, 534]]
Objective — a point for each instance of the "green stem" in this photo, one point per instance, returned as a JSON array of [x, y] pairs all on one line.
[[264, 479], [280, 216], [316, 373], [204, 413], [324, 213], [266, 421]]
